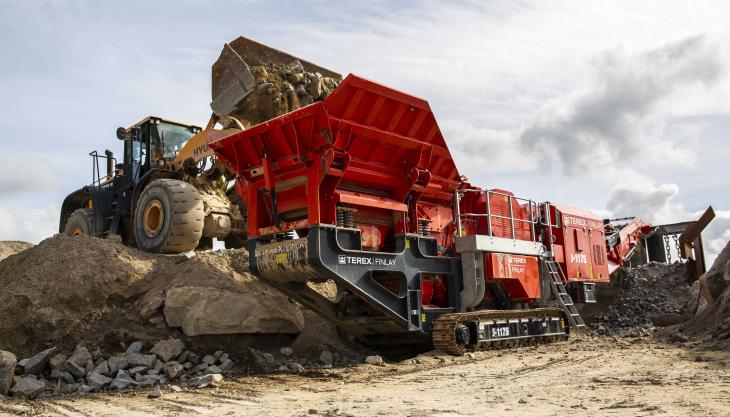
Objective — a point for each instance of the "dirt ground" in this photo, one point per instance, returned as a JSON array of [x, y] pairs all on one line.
[[598, 376]]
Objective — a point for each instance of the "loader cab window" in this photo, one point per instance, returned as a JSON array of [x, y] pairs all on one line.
[[167, 139], [135, 155]]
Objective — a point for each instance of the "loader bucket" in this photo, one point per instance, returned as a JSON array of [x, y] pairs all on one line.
[[232, 80]]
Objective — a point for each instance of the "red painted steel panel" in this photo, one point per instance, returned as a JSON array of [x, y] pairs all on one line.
[[388, 141], [580, 244], [520, 275]]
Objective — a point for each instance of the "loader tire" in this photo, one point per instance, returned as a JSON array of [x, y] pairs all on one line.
[[80, 222], [168, 217]]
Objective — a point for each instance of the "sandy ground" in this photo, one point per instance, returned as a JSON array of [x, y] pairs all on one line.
[[585, 376]]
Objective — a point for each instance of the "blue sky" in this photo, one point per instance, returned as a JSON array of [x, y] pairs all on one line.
[[621, 107]]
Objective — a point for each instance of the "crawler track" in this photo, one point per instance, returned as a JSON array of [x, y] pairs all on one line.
[[443, 333]]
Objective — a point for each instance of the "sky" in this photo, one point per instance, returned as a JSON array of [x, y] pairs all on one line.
[[622, 107]]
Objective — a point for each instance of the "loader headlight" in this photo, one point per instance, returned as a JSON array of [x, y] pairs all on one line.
[[161, 163]]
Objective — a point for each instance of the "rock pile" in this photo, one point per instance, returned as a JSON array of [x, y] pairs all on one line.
[[281, 89], [52, 372], [650, 296], [287, 361]]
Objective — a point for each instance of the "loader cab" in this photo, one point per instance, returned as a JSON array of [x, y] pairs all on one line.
[[151, 143]]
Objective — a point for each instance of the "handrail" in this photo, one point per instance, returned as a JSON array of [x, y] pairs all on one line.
[[96, 178], [511, 218]]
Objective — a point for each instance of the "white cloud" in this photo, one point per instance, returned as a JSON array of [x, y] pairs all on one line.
[[652, 203], [24, 173], [28, 224], [613, 120], [484, 151]]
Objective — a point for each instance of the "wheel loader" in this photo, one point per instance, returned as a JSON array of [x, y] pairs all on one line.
[[168, 193]]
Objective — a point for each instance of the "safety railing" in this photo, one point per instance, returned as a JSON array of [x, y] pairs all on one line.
[[96, 177], [531, 208]]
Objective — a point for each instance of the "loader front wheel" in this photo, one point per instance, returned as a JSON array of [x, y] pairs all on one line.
[[168, 217], [80, 222]]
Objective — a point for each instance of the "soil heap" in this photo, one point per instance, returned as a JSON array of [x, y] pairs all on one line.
[[70, 290], [709, 301]]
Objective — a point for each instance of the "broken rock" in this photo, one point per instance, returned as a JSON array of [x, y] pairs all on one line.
[[374, 360], [138, 359], [149, 380], [226, 365], [151, 302], [213, 369], [122, 381], [136, 370], [84, 389], [97, 380], [135, 347], [210, 380], [155, 393], [37, 363], [173, 369], [168, 349], [73, 369], [57, 360], [28, 388], [102, 368], [7, 370], [58, 374], [80, 357], [326, 357]]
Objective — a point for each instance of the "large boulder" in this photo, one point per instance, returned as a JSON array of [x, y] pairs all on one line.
[[253, 308], [7, 370]]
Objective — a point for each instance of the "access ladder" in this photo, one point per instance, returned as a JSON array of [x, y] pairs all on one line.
[[557, 287]]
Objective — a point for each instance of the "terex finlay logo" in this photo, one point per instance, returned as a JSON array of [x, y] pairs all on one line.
[[364, 260]]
